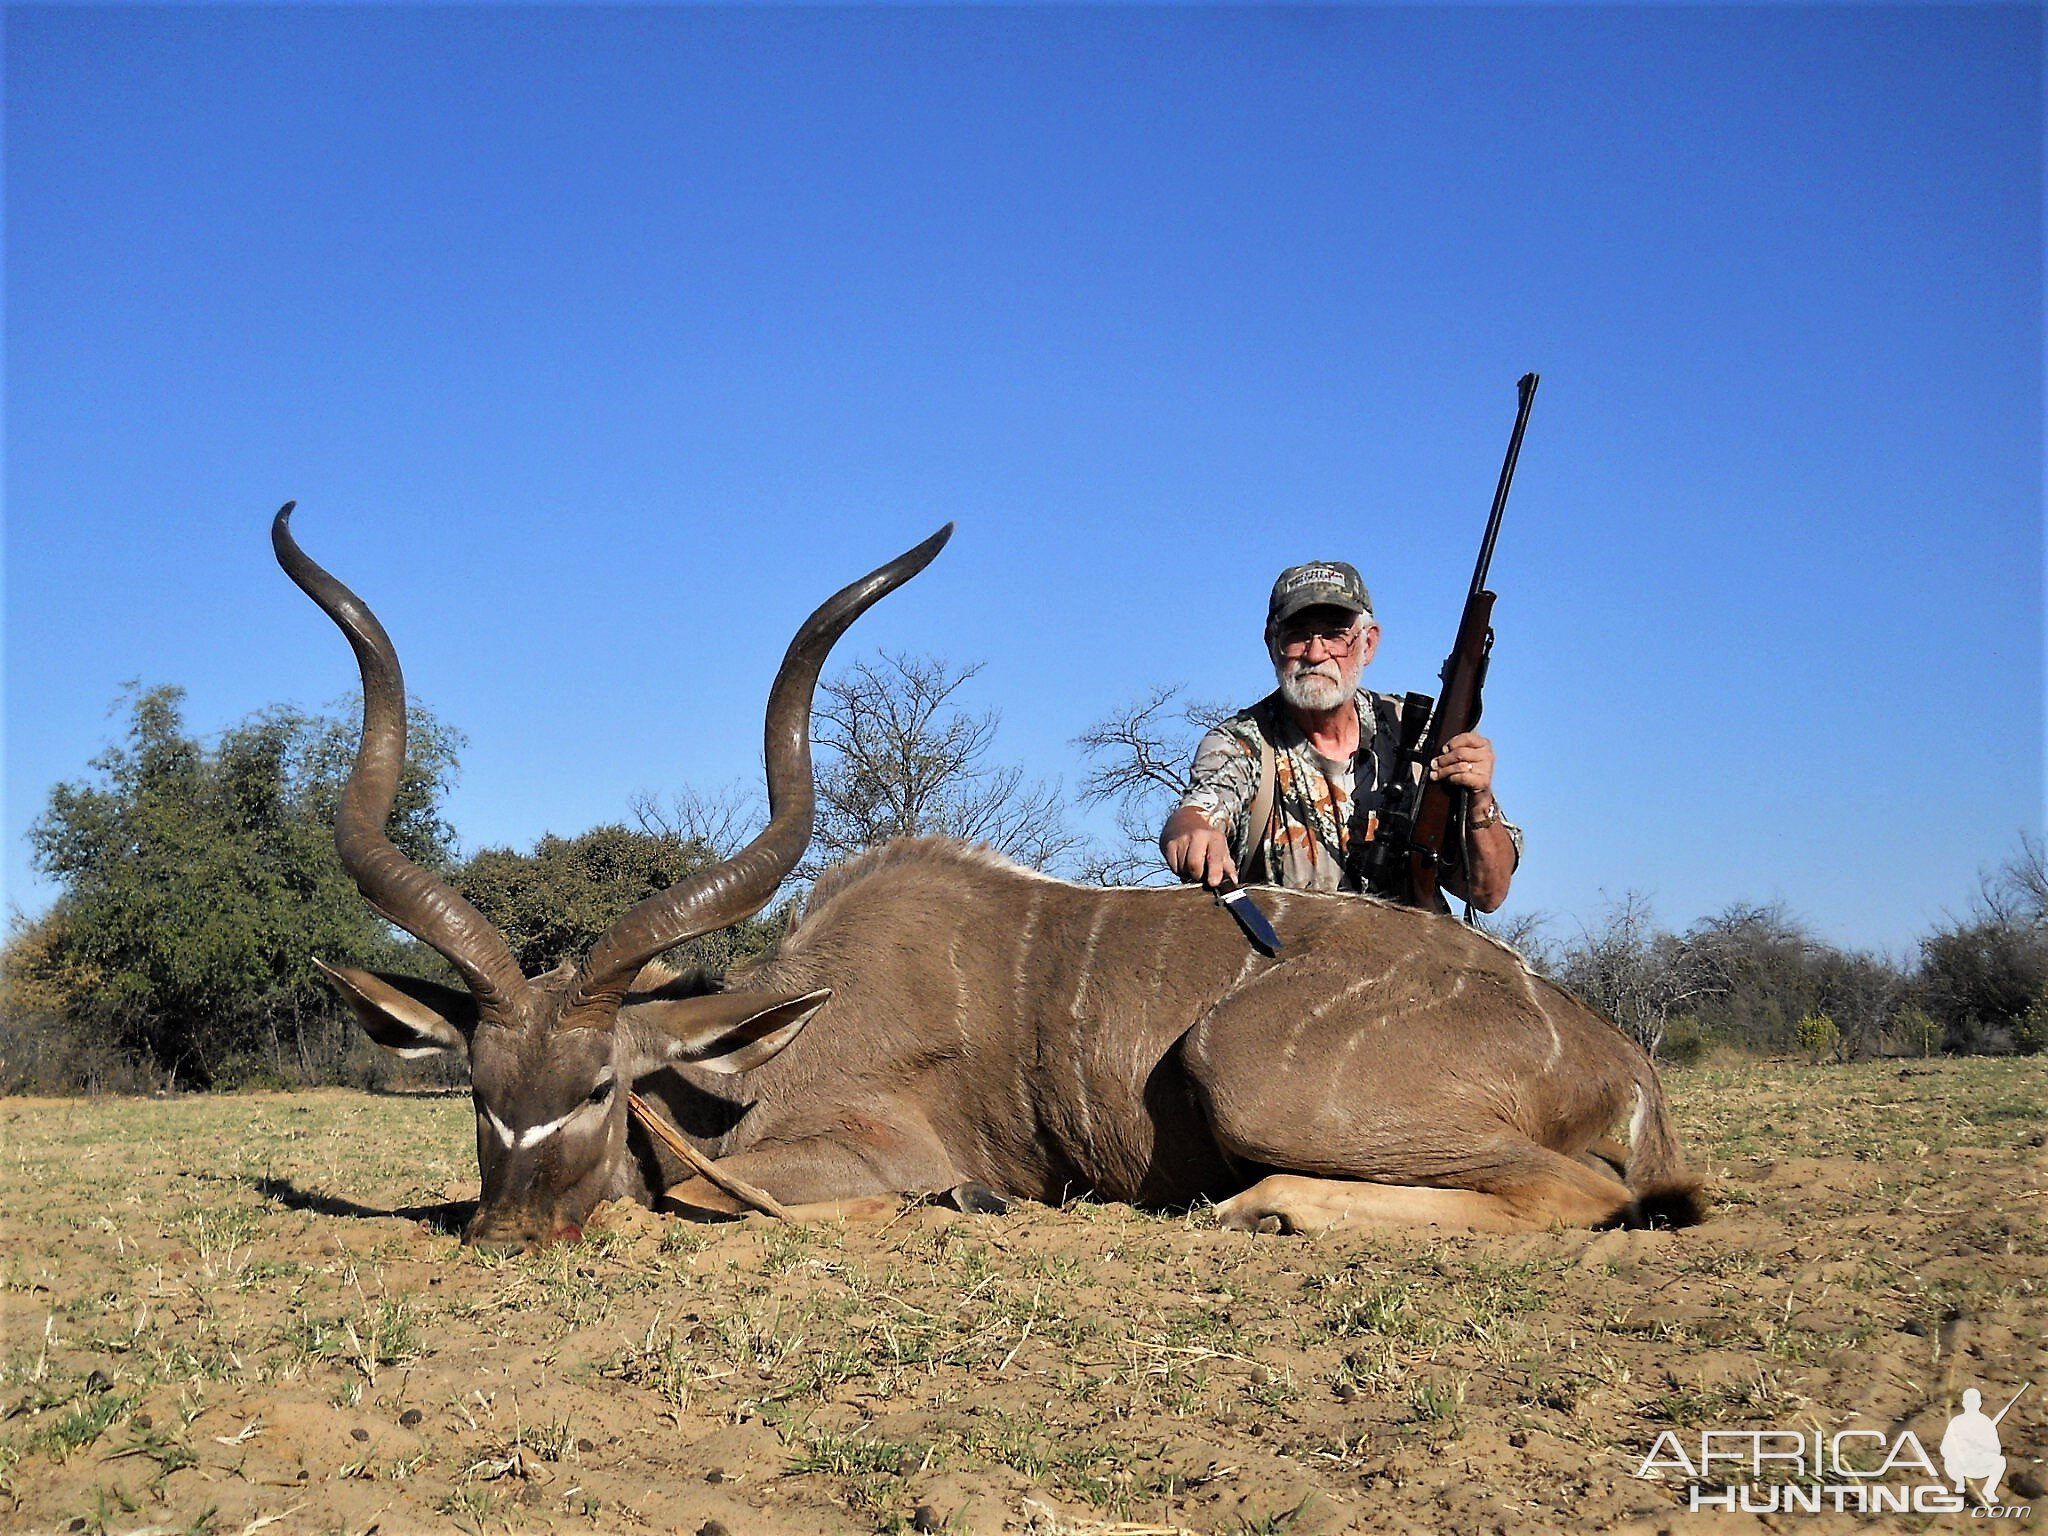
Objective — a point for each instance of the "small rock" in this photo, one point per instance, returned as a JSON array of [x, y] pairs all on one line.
[[715, 1475], [713, 1528], [1344, 1391], [98, 1381], [2026, 1485], [586, 1446], [925, 1518], [1260, 1375], [77, 1524], [411, 1418], [1519, 1439], [359, 1434], [143, 1421], [1915, 1327]]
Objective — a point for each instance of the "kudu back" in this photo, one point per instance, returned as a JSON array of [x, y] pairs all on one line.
[[941, 1018]]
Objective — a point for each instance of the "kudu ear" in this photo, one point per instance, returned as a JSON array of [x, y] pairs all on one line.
[[727, 1031], [405, 1015]]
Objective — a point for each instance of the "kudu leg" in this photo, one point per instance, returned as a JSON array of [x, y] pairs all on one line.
[[1534, 1189], [840, 1177], [699, 1199], [1606, 1155]]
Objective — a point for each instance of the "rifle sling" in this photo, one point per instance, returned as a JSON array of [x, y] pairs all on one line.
[[1257, 818]]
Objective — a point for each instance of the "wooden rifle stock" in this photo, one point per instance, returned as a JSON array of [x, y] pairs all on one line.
[[1434, 830]]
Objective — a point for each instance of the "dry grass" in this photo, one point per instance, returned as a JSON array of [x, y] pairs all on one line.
[[221, 1311]]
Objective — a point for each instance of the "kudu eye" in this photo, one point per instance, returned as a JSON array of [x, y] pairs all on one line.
[[601, 1092]]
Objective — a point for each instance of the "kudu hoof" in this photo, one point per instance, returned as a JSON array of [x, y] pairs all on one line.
[[977, 1200], [1233, 1217]]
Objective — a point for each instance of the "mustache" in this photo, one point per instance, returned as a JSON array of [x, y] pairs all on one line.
[[1315, 685], [1324, 668]]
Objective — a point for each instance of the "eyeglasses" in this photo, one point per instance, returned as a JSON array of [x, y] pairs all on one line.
[[1338, 639]]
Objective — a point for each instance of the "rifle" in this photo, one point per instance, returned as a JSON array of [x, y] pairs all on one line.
[[1423, 828], [2008, 1407]]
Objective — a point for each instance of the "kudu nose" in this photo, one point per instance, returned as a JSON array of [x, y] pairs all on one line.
[[504, 1236], [504, 1244]]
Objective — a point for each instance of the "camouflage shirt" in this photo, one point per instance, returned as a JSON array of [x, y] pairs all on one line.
[[1326, 814]]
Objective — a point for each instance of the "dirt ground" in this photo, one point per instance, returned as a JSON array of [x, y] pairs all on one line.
[[247, 1313]]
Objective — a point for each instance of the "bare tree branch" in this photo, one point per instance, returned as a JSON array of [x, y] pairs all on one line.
[[1639, 975], [901, 757], [1523, 932], [2017, 891], [723, 820], [1139, 755]]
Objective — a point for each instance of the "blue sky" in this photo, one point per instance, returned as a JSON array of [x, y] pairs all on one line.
[[598, 344]]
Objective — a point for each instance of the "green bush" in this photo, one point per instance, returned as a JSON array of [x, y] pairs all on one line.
[[1685, 1041], [1915, 1032], [1818, 1037], [199, 880], [2030, 1029], [556, 902]]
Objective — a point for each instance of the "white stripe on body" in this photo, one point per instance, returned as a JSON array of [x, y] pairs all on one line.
[[1088, 961], [1083, 1115], [1243, 971], [1360, 985], [960, 1000], [1025, 931]]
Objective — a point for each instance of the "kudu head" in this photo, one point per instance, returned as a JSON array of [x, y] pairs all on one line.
[[548, 1065]]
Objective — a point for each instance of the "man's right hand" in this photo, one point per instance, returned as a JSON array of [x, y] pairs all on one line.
[[1195, 850]]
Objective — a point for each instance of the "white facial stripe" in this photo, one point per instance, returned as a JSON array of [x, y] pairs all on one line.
[[534, 1135]]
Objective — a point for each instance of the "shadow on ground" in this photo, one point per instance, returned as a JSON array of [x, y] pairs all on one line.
[[448, 1218]]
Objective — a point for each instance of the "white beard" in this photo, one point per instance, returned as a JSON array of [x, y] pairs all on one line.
[[1317, 686]]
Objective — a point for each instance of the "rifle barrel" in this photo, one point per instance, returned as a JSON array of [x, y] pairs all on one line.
[[1525, 387], [2015, 1398]]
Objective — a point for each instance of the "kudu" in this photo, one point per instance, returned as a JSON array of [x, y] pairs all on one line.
[[973, 1023]]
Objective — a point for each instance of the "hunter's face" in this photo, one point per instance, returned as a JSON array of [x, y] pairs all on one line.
[[1319, 655]]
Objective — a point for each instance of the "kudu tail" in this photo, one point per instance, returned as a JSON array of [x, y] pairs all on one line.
[[1666, 1195]]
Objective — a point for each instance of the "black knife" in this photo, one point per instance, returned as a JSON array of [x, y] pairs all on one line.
[[1256, 925]]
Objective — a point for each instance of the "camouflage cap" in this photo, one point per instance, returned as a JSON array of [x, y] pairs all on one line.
[[1322, 583]]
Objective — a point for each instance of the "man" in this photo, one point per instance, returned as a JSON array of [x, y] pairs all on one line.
[[1970, 1450], [1334, 753]]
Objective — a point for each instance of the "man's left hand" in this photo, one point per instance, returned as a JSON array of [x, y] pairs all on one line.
[[1466, 760]]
